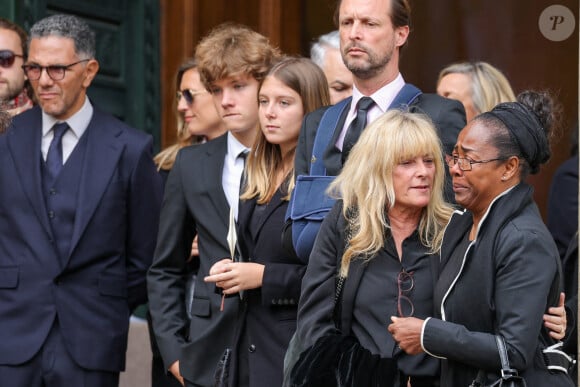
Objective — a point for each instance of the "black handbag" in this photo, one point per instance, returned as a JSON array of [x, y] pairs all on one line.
[[509, 376], [338, 360]]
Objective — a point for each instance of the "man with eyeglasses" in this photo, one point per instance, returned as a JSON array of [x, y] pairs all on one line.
[[79, 203], [14, 96]]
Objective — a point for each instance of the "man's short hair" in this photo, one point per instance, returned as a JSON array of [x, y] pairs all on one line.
[[67, 26]]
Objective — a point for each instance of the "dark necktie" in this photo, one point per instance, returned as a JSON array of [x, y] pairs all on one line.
[[356, 126], [54, 155], [243, 156]]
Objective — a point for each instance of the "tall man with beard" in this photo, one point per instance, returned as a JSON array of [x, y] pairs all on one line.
[[372, 34]]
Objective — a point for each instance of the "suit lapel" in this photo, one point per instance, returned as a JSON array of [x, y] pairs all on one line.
[[332, 156], [27, 142], [213, 171], [275, 202], [102, 154]]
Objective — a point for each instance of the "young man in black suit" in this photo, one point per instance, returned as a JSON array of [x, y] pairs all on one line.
[[202, 187]]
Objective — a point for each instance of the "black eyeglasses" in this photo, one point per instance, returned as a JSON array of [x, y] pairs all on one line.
[[189, 95], [55, 72], [7, 58], [405, 283], [465, 164]]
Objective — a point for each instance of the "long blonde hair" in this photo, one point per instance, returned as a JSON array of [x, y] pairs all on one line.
[[266, 159], [366, 183]]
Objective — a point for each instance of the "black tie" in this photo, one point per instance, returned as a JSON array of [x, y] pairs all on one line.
[[356, 126], [243, 155], [54, 155]]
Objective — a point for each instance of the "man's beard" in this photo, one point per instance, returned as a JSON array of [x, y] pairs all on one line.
[[373, 66]]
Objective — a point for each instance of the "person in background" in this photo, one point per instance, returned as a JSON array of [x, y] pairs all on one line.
[[477, 85], [325, 52], [197, 118], [268, 274], [500, 268], [562, 222], [201, 199], [562, 214], [4, 120], [80, 201], [197, 121], [15, 93]]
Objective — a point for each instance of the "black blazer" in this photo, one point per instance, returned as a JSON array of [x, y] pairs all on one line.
[[270, 311], [194, 204], [448, 115]]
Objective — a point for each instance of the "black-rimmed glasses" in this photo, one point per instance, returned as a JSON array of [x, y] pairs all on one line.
[[55, 72], [405, 283], [189, 95], [465, 164], [7, 58]]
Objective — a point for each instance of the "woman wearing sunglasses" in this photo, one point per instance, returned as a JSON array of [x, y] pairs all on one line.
[[197, 117], [198, 121]]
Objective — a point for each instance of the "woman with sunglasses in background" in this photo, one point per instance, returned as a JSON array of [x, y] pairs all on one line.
[[197, 118], [198, 121]]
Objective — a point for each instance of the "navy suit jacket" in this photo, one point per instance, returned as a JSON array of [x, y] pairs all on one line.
[[194, 204], [93, 288]]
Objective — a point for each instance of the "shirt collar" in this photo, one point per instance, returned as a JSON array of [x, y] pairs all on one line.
[[234, 147], [382, 97], [77, 123]]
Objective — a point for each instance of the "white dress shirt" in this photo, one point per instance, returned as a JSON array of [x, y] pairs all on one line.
[[383, 99], [77, 123], [232, 172]]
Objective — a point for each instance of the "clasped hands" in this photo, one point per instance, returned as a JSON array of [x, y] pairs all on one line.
[[232, 277], [406, 331]]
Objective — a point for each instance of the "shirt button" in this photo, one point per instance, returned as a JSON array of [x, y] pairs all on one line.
[[252, 348], [52, 191], [51, 214]]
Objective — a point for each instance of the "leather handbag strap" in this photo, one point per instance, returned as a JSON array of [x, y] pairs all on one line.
[[503, 356]]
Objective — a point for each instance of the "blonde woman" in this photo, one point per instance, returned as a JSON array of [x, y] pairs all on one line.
[[198, 121], [381, 236], [477, 85]]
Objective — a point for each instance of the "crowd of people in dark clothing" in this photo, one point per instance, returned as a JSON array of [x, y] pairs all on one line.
[[317, 222]]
